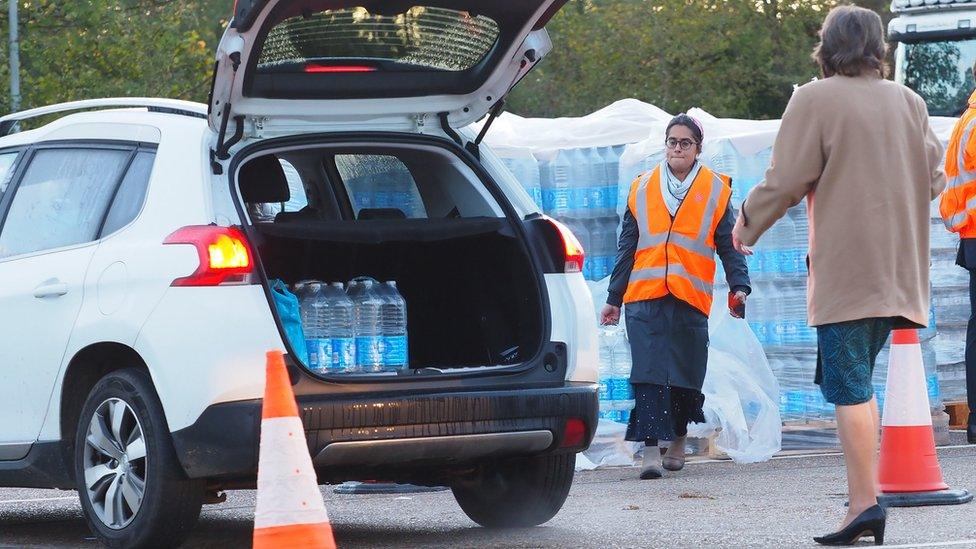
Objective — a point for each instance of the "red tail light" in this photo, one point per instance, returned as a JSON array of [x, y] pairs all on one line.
[[225, 256], [574, 434], [573, 249], [316, 68]]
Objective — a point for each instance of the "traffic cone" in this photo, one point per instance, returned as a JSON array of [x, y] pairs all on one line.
[[290, 510], [908, 469]]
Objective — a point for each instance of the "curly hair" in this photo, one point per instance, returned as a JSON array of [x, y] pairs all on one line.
[[851, 43]]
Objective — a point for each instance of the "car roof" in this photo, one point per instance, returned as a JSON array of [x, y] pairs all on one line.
[[135, 123]]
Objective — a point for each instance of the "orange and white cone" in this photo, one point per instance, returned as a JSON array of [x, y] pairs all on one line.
[[908, 469], [290, 510]]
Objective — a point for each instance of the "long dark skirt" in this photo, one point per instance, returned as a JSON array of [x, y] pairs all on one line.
[[663, 413]]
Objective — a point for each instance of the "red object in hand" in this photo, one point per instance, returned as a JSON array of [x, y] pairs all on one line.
[[736, 307]]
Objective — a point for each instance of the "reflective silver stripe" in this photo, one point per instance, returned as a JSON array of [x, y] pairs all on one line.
[[960, 217], [647, 240], [644, 240], [710, 206], [964, 176], [650, 273], [697, 246], [674, 269], [677, 269]]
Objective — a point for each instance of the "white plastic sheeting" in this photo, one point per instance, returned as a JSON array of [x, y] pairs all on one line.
[[742, 149], [741, 397], [641, 125]]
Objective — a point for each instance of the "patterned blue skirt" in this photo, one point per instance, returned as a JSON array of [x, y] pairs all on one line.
[[846, 352]]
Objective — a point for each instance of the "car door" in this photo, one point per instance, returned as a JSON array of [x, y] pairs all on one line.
[[50, 217]]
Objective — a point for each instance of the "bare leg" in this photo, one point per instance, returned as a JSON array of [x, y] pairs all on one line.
[[877, 430], [857, 429]]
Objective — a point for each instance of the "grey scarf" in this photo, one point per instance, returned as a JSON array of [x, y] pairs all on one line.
[[675, 190]]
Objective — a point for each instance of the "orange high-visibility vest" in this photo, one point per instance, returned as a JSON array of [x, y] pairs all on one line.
[[677, 256], [958, 202]]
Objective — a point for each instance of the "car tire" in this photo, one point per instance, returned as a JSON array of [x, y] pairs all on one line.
[[517, 492], [134, 493]]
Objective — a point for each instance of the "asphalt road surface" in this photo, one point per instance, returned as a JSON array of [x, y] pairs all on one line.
[[782, 503]]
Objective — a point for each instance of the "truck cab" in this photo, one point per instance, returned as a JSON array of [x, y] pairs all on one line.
[[936, 48]]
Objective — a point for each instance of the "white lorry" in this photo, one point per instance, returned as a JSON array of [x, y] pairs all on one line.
[[936, 48]]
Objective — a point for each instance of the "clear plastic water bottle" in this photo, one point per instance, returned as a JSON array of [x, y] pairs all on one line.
[[786, 251], [597, 255], [597, 183], [342, 330], [562, 176], [621, 391], [369, 338], [362, 191], [525, 168], [610, 225], [579, 183], [611, 165], [315, 323], [394, 326], [533, 178], [801, 228], [547, 183], [775, 323], [774, 243], [794, 314], [604, 369], [757, 313], [301, 288]]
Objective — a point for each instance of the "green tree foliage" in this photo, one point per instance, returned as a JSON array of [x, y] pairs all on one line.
[[98, 48], [936, 71], [731, 57], [737, 58]]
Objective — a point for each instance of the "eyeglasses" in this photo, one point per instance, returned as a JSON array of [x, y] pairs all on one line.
[[684, 144]]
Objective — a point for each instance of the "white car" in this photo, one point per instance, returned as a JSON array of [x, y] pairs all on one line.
[[139, 240]]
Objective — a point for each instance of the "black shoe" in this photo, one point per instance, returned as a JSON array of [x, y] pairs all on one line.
[[971, 430], [868, 523]]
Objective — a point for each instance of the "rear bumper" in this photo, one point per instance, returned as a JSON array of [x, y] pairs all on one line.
[[351, 438]]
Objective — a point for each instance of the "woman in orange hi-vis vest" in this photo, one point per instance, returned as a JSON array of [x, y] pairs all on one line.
[[678, 215], [958, 208]]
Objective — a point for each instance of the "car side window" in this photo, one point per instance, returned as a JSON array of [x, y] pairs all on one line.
[[265, 212], [299, 199], [8, 161], [132, 193], [380, 182], [61, 199]]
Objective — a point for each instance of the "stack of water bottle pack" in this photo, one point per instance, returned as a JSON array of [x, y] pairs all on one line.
[[777, 308], [586, 189], [386, 185], [578, 187], [354, 329]]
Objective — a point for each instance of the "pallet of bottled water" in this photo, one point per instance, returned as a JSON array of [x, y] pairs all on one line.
[[578, 187], [586, 188], [355, 328]]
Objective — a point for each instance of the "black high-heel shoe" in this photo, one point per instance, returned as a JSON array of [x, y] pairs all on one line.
[[869, 523]]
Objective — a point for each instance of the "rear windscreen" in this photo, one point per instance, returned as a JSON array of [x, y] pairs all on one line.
[[355, 40]]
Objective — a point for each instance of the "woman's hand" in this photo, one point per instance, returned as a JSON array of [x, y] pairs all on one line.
[[740, 225], [610, 315], [739, 298]]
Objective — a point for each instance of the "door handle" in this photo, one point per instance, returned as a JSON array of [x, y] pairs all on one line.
[[50, 289]]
